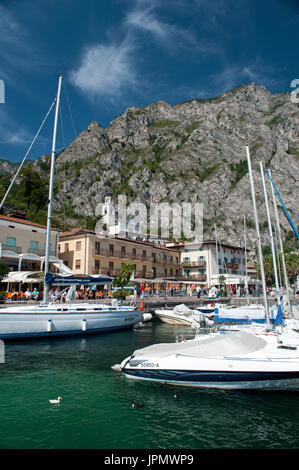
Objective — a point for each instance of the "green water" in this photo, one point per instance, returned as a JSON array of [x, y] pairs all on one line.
[[96, 411]]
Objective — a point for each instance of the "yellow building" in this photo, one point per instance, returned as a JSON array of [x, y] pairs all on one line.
[[85, 253]]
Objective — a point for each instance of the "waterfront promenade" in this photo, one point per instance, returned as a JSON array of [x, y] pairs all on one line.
[[151, 303]]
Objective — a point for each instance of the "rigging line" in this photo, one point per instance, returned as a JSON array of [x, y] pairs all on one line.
[[70, 111], [23, 161], [284, 209], [61, 123]]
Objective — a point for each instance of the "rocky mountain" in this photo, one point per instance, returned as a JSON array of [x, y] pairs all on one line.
[[190, 152]]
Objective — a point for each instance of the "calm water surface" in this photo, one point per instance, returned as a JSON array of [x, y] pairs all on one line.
[[96, 411]]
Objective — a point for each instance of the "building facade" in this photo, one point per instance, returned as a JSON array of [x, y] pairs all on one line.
[[84, 252], [23, 243], [206, 262]]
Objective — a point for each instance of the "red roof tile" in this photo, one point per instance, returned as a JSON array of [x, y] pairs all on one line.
[[21, 221]]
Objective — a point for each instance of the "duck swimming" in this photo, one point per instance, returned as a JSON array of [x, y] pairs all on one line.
[[56, 401]]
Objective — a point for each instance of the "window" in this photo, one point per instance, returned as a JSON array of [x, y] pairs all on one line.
[[111, 249], [10, 241], [97, 247], [134, 253], [33, 245], [97, 265], [123, 250], [78, 263], [78, 246], [66, 247]]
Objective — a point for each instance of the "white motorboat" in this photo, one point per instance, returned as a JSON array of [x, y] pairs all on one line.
[[238, 360], [182, 315]]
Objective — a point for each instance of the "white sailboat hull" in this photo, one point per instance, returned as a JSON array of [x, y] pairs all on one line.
[[28, 322]]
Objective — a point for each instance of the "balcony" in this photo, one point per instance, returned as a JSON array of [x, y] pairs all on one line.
[[37, 251], [193, 264], [197, 278], [16, 249]]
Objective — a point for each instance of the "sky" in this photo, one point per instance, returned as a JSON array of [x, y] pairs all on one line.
[[114, 54]]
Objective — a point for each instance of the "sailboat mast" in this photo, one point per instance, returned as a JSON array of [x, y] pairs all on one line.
[[51, 185], [271, 235], [245, 253], [217, 256], [258, 238]]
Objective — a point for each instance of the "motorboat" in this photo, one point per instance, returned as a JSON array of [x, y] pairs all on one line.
[[236, 360], [182, 315]]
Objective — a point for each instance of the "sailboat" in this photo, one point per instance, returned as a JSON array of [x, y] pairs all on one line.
[[263, 358], [58, 318]]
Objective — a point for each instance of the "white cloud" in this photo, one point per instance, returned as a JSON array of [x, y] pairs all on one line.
[[113, 69], [105, 70], [169, 35]]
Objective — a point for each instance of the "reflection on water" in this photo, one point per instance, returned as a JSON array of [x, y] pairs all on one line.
[[96, 410]]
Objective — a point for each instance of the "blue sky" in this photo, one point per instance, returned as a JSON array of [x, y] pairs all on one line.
[[120, 53]]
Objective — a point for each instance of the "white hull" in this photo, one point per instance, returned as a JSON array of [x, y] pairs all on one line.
[[167, 316], [232, 361], [64, 319]]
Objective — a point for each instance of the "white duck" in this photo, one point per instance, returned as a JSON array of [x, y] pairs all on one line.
[[56, 401]]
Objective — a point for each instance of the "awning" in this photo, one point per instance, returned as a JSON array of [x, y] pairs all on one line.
[[24, 276], [78, 279], [9, 254], [31, 256]]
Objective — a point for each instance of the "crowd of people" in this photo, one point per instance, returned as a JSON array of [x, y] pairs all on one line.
[[141, 291]]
